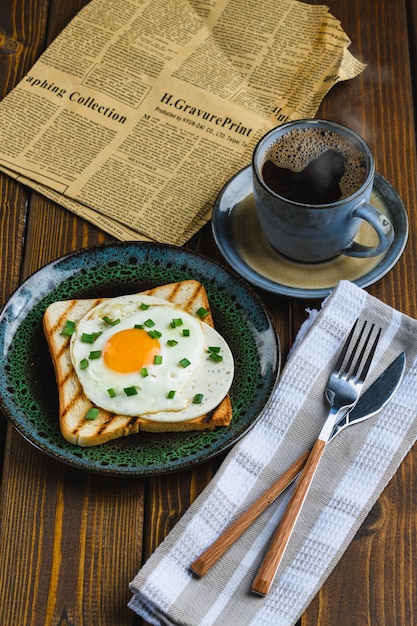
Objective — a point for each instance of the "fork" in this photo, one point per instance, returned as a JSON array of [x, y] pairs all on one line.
[[215, 551], [342, 391]]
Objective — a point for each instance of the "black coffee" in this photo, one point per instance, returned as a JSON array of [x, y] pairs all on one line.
[[314, 166], [317, 183]]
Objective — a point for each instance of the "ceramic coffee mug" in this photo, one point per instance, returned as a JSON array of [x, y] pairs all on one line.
[[312, 184]]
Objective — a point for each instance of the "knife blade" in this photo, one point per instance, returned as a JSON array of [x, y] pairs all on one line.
[[378, 394]]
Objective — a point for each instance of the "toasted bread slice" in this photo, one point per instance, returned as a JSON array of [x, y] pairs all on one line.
[[190, 295]]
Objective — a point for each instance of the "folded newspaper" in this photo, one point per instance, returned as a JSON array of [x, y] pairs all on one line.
[[138, 112]]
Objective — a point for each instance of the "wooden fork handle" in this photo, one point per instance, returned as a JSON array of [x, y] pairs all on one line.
[[268, 568], [212, 554]]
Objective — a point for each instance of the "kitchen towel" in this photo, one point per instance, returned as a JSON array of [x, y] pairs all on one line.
[[355, 468]]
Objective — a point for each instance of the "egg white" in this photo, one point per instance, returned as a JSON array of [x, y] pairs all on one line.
[[203, 375]]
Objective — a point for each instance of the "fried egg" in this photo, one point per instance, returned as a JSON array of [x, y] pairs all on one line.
[[141, 355]]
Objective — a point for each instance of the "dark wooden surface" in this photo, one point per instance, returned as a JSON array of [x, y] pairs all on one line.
[[69, 541]]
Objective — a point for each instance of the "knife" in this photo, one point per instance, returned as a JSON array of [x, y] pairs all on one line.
[[376, 396], [373, 400]]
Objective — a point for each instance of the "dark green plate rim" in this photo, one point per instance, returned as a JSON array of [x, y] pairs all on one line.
[[28, 393]]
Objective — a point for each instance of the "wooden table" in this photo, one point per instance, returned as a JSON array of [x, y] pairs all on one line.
[[70, 541]]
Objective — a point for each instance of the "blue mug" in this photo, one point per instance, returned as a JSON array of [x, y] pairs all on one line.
[[301, 220]]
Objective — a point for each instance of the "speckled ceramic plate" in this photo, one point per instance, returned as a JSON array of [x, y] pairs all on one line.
[[27, 384], [239, 237]]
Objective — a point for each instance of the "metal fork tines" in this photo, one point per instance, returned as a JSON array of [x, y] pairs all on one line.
[[348, 376], [342, 391]]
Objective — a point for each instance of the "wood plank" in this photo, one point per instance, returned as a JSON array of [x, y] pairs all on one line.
[[70, 545], [378, 104], [20, 42], [13, 202], [22, 38], [60, 13], [168, 497], [74, 541], [374, 583]]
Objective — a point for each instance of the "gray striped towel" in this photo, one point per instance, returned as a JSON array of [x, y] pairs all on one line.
[[355, 468]]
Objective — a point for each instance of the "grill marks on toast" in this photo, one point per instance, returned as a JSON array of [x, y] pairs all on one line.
[[174, 293], [70, 307], [189, 295]]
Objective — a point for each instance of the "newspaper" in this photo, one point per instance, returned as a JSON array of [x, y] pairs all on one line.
[[140, 111]]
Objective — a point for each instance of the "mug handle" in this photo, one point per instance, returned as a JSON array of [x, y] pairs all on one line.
[[382, 226]]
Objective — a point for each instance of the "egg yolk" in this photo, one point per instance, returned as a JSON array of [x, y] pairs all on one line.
[[129, 350]]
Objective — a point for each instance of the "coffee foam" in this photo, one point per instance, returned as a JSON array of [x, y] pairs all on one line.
[[298, 147]]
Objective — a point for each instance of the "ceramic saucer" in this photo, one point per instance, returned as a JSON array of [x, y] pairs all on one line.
[[239, 237]]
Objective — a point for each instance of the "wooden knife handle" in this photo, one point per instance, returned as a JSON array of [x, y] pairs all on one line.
[[268, 568], [212, 554]]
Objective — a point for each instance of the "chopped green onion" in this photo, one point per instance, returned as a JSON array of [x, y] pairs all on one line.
[[171, 393], [111, 392], [90, 337], [139, 326], [202, 312], [177, 321], [94, 354], [155, 334], [144, 306], [198, 398], [214, 353], [157, 359], [69, 328], [172, 342], [91, 414], [110, 322], [185, 362], [130, 391], [186, 332], [144, 372], [149, 323], [83, 364]]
